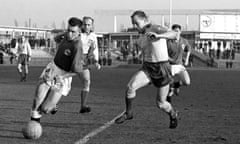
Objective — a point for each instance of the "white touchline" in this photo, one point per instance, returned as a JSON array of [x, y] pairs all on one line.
[[86, 138]]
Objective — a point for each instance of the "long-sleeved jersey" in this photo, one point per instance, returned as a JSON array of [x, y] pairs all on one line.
[[90, 45], [23, 48]]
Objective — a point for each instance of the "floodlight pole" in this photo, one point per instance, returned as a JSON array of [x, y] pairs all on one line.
[[170, 13], [115, 24]]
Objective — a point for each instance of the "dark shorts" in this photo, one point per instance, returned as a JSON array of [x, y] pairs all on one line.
[[23, 59], [160, 73]]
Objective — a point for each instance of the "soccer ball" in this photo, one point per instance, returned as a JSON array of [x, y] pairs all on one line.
[[33, 130]]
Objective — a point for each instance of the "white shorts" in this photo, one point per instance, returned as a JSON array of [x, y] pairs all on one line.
[[176, 69], [51, 75]]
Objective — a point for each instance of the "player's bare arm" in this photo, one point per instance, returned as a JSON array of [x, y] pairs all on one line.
[[168, 35], [188, 49]]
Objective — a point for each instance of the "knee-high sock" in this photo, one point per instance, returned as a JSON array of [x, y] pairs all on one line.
[[84, 96], [128, 102]]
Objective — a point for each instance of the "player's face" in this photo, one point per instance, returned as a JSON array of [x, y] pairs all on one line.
[[138, 22], [73, 32], [87, 25], [178, 31]]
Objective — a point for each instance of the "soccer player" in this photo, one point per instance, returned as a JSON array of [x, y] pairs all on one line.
[[155, 68], [23, 57], [176, 49], [90, 51], [55, 80]]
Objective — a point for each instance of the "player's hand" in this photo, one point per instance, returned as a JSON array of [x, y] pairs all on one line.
[[151, 35], [98, 66]]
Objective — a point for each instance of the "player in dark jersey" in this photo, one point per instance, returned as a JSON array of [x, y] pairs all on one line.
[[176, 50], [55, 80], [155, 69]]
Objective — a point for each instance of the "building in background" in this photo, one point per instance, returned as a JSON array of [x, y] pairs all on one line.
[[206, 30]]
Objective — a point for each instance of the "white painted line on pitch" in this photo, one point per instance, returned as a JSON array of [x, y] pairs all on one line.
[[86, 138]]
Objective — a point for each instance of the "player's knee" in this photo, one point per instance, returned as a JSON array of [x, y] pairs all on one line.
[[163, 105], [19, 68], [186, 82], [86, 85], [130, 92]]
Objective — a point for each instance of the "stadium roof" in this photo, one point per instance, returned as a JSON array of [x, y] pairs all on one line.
[[25, 28]]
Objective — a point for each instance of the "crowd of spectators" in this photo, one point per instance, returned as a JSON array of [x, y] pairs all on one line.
[[219, 49]]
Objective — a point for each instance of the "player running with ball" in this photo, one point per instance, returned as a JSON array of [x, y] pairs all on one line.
[[55, 80], [155, 68]]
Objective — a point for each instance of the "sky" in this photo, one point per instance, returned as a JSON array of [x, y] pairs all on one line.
[[53, 12]]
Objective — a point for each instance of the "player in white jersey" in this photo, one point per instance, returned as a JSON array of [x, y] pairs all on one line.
[[90, 51], [23, 57], [155, 69]]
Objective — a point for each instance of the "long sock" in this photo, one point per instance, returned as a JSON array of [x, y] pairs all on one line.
[[84, 96], [25, 76], [128, 102], [22, 76]]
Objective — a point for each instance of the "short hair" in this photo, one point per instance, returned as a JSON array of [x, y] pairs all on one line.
[[74, 21], [88, 17], [140, 14], [176, 26]]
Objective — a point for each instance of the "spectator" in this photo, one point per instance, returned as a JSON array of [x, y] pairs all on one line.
[[233, 53], [101, 60], [211, 50], [205, 46], [105, 58], [200, 46], [218, 49], [1, 57], [109, 58], [231, 64]]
